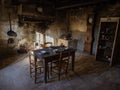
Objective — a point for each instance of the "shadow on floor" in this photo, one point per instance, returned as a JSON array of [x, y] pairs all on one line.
[[11, 58], [85, 65], [88, 64]]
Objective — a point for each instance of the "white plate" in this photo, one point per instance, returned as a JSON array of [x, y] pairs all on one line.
[[43, 51]]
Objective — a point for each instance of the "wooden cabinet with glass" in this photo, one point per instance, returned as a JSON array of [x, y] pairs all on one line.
[[108, 40]]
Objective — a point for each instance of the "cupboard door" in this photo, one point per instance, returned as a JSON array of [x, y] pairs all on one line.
[[106, 40]]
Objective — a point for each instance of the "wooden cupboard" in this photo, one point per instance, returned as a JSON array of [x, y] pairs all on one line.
[[108, 47]]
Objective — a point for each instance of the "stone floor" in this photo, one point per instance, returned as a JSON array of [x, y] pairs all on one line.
[[89, 75]]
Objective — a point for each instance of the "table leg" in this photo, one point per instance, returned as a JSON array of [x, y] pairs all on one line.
[[73, 61], [45, 71]]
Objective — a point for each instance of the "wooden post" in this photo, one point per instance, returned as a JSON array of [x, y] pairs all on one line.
[[88, 39], [44, 39]]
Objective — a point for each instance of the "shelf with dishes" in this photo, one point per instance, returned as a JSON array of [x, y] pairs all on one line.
[[108, 40]]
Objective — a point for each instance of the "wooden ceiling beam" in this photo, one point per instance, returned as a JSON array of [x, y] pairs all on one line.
[[78, 3]]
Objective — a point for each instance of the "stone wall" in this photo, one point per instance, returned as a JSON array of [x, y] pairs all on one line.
[[78, 26], [25, 34], [70, 21]]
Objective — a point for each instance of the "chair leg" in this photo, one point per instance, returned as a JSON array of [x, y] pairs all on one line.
[[48, 71], [35, 75], [51, 68], [66, 71], [59, 73], [40, 70], [30, 71], [59, 76]]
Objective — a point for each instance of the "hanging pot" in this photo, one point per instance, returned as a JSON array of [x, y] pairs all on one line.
[[10, 41], [10, 32]]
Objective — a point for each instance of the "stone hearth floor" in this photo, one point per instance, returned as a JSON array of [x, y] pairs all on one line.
[[89, 75]]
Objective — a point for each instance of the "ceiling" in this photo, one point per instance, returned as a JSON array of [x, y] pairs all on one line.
[[50, 6], [66, 4], [61, 4]]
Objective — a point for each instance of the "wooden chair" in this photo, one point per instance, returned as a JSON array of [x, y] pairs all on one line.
[[48, 44], [61, 66], [36, 67]]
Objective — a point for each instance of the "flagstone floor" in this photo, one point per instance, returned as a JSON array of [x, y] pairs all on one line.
[[89, 75]]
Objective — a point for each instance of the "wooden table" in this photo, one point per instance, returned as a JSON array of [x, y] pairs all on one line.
[[51, 56]]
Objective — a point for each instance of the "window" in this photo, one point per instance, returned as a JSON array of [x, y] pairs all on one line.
[[49, 39], [39, 38]]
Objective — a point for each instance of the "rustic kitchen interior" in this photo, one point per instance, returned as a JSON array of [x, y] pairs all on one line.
[[88, 29]]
